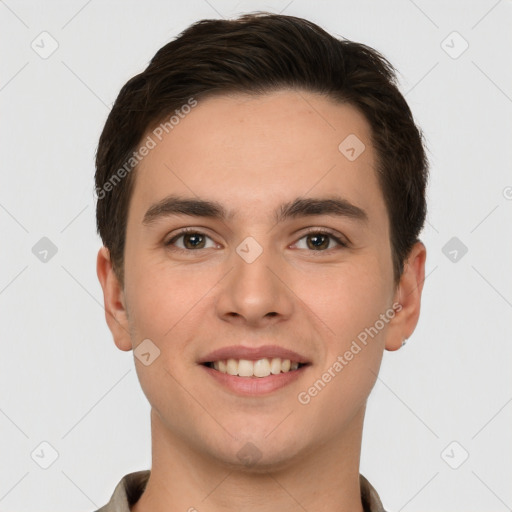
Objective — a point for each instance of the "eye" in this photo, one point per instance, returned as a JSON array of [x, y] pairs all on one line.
[[191, 240], [319, 241]]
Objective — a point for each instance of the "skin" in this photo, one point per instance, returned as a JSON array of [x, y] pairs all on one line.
[[253, 154]]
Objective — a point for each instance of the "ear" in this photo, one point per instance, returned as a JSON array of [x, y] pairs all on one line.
[[114, 300], [408, 294]]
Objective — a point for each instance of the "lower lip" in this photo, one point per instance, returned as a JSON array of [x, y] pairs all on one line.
[[250, 386]]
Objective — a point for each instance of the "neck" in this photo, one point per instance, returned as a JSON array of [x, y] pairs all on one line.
[[324, 479]]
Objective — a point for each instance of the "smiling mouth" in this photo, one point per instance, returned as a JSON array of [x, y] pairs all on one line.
[[260, 368]]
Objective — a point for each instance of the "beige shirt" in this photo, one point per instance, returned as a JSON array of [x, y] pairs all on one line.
[[130, 488]]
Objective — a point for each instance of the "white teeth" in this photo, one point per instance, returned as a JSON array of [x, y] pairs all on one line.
[[260, 368], [245, 368], [232, 367], [275, 365]]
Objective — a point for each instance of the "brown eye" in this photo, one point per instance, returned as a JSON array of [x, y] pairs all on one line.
[[190, 240], [318, 241], [194, 241]]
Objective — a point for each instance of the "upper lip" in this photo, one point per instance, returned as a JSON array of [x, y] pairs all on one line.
[[252, 353]]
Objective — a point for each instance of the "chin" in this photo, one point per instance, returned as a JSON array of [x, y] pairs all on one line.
[[256, 461], [257, 454]]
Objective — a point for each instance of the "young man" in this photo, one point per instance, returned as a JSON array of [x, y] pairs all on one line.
[[261, 189]]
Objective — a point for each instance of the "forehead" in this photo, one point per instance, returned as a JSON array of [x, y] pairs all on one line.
[[254, 150]]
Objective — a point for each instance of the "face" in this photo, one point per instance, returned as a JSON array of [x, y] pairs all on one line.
[[251, 236]]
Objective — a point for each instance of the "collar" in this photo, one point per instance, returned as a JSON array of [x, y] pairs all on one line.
[[131, 486]]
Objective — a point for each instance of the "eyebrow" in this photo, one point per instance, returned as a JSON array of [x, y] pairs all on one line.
[[300, 207]]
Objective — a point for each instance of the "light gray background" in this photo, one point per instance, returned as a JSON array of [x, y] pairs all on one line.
[[61, 378]]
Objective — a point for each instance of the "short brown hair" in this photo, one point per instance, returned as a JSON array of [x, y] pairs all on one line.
[[256, 54]]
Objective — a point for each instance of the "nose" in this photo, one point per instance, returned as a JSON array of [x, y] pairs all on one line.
[[255, 294]]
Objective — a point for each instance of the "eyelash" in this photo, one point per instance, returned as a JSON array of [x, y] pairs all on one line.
[[182, 232], [311, 231], [326, 232]]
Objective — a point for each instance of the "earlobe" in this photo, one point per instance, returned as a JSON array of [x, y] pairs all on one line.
[[409, 296], [114, 301]]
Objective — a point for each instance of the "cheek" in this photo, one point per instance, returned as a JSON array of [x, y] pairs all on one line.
[[348, 305], [166, 300], [157, 292], [347, 299], [150, 301], [349, 302]]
